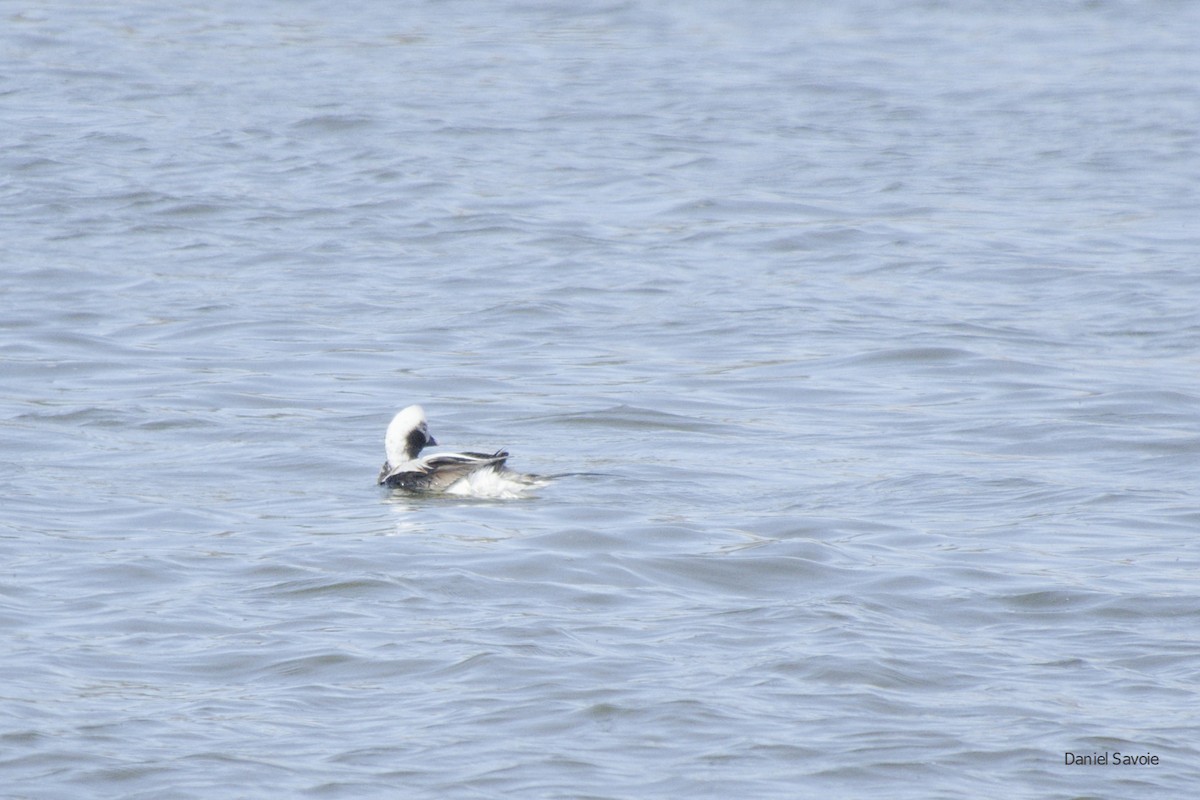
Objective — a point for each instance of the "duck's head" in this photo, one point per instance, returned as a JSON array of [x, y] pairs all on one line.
[[407, 436]]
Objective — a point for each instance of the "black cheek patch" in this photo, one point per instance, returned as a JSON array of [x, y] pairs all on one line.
[[414, 442]]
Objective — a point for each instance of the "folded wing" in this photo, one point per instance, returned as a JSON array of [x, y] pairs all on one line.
[[439, 470]]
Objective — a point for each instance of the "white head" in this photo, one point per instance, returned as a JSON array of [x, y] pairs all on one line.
[[407, 435]]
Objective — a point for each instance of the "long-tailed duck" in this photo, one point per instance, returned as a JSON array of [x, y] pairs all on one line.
[[476, 474]]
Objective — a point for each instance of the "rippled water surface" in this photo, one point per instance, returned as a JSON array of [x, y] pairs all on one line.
[[863, 338]]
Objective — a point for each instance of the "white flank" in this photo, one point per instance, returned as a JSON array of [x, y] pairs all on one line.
[[503, 485]]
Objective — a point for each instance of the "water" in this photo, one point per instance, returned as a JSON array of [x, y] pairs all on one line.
[[871, 328]]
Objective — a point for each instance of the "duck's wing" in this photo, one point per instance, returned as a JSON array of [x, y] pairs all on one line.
[[451, 460], [437, 471], [446, 468]]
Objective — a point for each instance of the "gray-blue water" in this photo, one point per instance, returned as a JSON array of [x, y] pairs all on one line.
[[872, 327]]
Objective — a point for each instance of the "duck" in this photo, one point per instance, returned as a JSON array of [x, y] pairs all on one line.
[[479, 474]]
